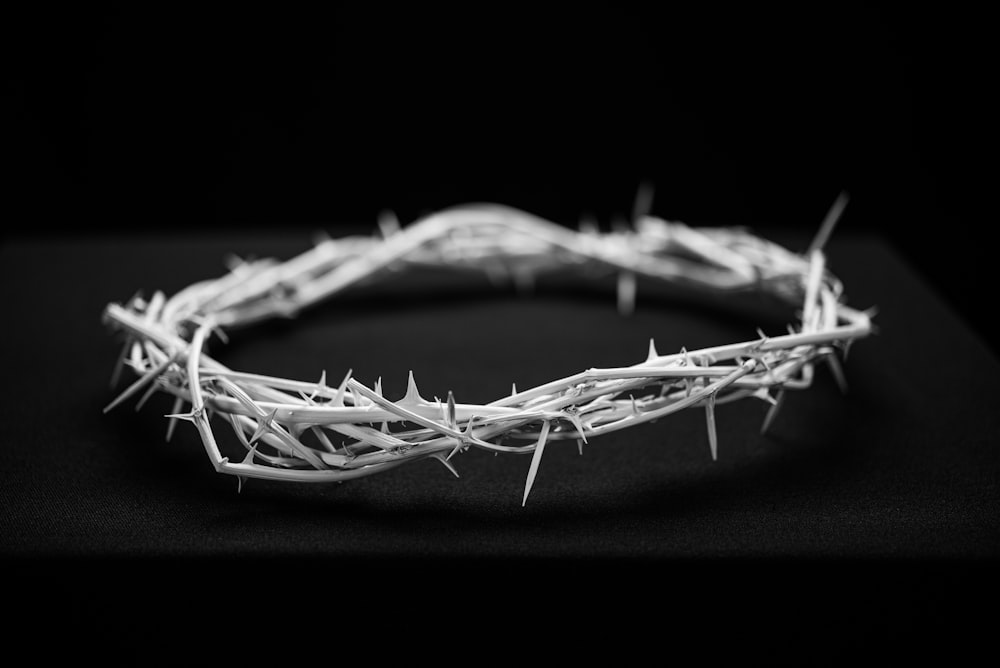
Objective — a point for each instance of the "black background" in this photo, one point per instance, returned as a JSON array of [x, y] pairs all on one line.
[[194, 120], [186, 118]]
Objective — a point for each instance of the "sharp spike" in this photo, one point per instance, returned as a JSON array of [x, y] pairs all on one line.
[[713, 438], [339, 399], [826, 228], [578, 423], [838, 372], [116, 373], [652, 355], [451, 410], [643, 201], [172, 424], [513, 389], [263, 426], [145, 397], [240, 479], [250, 453], [191, 416], [536, 458], [579, 446], [140, 383], [763, 394], [388, 223], [218, 331], [320, 386], [444, 460], [626, 292], [588, 225], [772, 412], [412, 397]]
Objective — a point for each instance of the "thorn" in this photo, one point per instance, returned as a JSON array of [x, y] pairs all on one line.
[[263, 426], [145, 397], [320, 386], [192, 416], [140, 383], [763, 394], [444, 460], [635, 409], [838, 372], [588, 226], [451, 410], [466, 438], [240, 479], [339, 399], [652, 351], [626, 293], [513, 389], [116, 373], [578, 423], [772, 412], [250, 453], [412, 397], [178, 402], [826, 228], [388, 223], [643, 201], [218, 331], [687, 357], [536, 458], [713, 438], [378, 386]]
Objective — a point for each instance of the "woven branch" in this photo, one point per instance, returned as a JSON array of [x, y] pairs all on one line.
[[314, 432]]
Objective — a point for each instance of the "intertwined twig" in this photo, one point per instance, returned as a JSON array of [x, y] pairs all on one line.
[[286, 425]]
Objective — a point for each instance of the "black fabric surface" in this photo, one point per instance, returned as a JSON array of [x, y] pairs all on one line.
[[875, 511]]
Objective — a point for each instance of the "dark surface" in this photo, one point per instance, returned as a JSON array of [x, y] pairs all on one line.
[[863, 524], [873, 514]]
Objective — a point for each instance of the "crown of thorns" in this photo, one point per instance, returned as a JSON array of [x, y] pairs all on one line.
[[302, 431]]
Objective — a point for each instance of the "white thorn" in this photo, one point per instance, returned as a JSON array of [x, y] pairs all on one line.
[[652, 351], [388, 223], [838, 372], [772, 412], [643, 201], [536, 458], [826, 228], [713, 439], [339, 399], [178, 403], [626, 292], [444, 460], [451, 410]]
